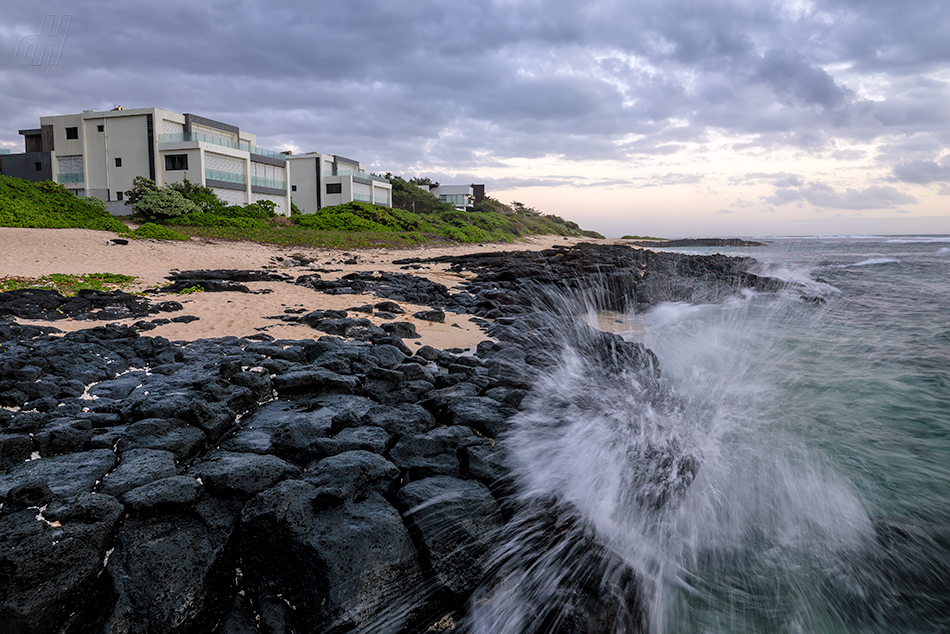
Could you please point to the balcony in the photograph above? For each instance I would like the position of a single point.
(357, 173)
(228, 177)
(259, 181)
(64, 179)
(363, 198)
(219, 140)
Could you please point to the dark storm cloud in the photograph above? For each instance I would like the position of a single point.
(430, 85)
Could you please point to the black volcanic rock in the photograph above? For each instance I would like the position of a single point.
(698, 242)
(339, 567)
(240, 484)
(87, 304)
(457, 521)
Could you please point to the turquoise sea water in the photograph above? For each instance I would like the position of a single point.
(822, 428)
(821, 431)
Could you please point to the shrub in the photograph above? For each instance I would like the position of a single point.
(140, 185)
(163, 204)
(199, 194)
(152, 231)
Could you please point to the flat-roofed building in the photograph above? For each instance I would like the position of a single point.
(99, 153)
(323, 180)
(461, 196)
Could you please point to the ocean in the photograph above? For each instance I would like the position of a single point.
(821, 431)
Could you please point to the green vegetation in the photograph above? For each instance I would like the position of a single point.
(152, 231)
(47, 205)
(191, 289)
(641, 238)
(417, 217)
(190, 204)
(70, 284)
(179, 210)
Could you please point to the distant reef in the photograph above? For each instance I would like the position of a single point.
(699, 242)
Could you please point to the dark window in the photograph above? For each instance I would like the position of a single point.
(118, 195)
(293, 188)
(118, 162)
(101, 128)
(334, 188)
(174, 162)
(38, 166)
(72, 133)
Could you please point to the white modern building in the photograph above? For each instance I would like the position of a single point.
(99, 153)
(323, 180)
(463, 197)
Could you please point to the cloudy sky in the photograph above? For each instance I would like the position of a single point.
(661, 117)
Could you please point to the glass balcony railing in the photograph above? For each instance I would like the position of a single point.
(72, 178)
(363, 198)
(228, 177)
(219, 140)
(361, 174)
(258, 181)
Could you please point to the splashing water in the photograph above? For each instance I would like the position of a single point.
(708, 500)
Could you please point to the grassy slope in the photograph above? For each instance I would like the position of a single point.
(47, 205)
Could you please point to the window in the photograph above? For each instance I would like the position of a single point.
(100, 128)
(293, 188)
(72, 133)
(118, 162)
(38, 166)
(118, 195)
(334, 188)
(175, 162)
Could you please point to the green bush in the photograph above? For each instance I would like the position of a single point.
(199, 194)
(48, 205)
(163, 204)
(152, 231)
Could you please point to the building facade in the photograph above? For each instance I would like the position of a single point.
(323, 180)
(99, 153)
(463, 197)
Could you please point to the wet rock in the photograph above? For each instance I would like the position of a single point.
(315, 379)
(48, 566)
(138, 467)
(170, 434)
(401, 420)
(484, 414)
(339, 568)
(349, 475)
(434, 452)
(241, 476)
(27, 493)
(458, 521)
(171, 574)
(69, 436)
(486, 463)
(174, 494)
(67, 476)
(14, 449)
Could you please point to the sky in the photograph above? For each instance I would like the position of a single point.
(646, 117)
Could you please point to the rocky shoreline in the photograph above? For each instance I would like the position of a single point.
(347, 483)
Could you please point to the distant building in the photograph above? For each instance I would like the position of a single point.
(99, 153)
(323, 180)
(463, 197)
